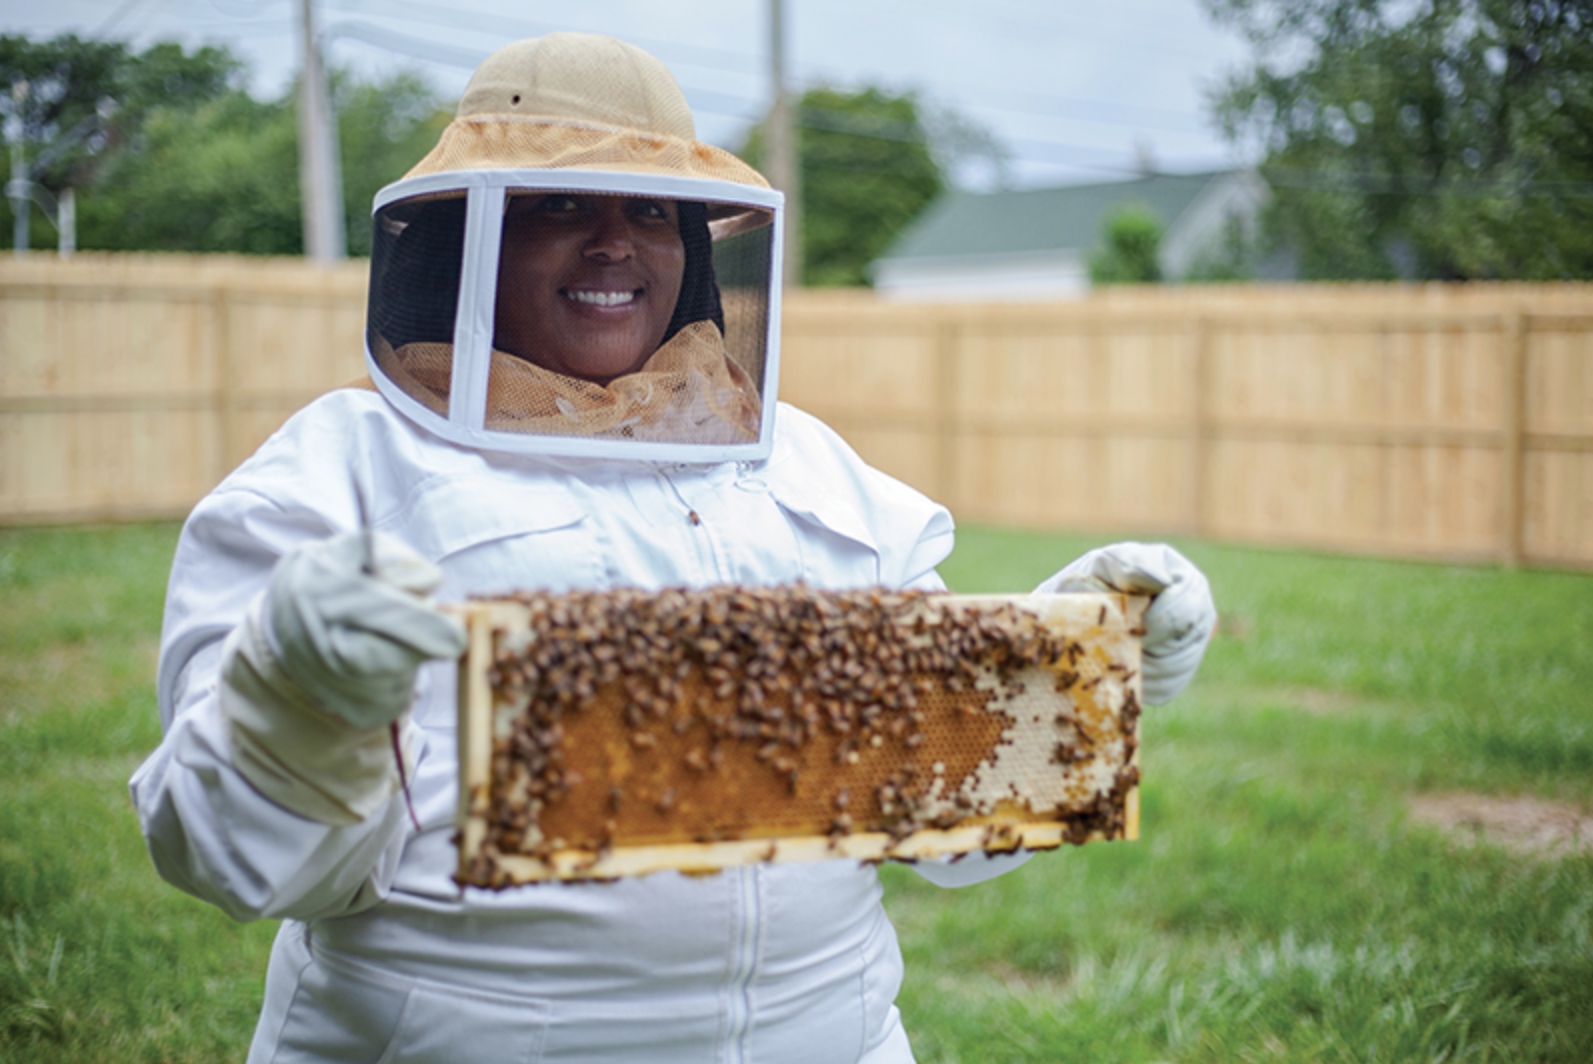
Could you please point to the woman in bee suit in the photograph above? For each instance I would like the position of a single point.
(571, 343)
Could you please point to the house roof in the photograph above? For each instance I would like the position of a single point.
(1039, 219)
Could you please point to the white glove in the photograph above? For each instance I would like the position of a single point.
(353, 642)
(323, 662)
(1180, 621)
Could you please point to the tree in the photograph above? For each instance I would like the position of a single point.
(189, 161)
(384, 127)
(219, 177)
(1133, 238)
(1445, 139)
(77, 103)
(867, 169)
(1230, 258)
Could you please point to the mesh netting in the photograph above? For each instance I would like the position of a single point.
(416, 253)
(614, 315)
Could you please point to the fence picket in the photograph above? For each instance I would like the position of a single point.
(1417, 420)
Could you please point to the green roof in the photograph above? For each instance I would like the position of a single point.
(1039, 219)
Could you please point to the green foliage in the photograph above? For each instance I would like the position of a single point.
(99, 961)
(88, 102)
(188, 161)
(1131, 242)
(1440, 139)
(384, 128)
(69, 80)
(1230, 259)
(221, 176)
(1280, 903)
(867, 169)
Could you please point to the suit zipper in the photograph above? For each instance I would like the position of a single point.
(748, 942)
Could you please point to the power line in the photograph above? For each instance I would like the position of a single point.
(1141, 43)
(513, 27)
(742, 108)
(116, 16)
(415, 47)
(1416, 184)
(740, 63)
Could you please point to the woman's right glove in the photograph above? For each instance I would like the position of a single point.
(324, 661)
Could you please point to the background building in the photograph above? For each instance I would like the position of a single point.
(1036, 243)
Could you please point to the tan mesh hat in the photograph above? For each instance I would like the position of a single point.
(580, 101)
(570, 271)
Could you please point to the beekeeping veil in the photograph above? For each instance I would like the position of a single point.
(570, 271)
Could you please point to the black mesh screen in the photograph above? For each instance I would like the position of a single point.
(416, 255)
(415, 266)
(743, 264)
(612, 320)
(614, 315)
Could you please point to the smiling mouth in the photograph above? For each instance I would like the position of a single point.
(602, 299)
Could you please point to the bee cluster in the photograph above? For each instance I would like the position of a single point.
(629, 717)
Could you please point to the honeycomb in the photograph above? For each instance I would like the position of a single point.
(615, 733)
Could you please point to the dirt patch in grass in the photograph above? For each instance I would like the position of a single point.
(1315, 700)
(73, 674)
(1312, 701)
(1529, 826)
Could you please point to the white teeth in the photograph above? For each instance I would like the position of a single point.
(601, 299)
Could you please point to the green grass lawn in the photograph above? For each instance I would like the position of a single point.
(1281, 903)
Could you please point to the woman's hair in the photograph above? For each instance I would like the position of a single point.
(419, 255)
(699, 288)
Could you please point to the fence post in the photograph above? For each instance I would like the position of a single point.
(948, 343)
(1200, 426)
(226, 400)
(1512, 472)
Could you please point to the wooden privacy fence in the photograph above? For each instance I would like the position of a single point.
(1405, 420)
(1414, 421)
(130, 385)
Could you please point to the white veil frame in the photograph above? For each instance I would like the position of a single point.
(485, 195)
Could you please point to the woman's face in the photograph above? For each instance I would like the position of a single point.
(587, 282)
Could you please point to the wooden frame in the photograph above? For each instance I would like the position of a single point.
(1066, 746)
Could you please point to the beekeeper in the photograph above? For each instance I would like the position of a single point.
(572, 343)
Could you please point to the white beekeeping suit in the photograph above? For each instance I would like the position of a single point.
(572, 344)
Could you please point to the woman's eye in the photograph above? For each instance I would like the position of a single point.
(650, 209)
(558, 204)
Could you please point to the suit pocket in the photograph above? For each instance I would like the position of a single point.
(838, 548)
(448, 1026)
(495, 536)
(342, 1011)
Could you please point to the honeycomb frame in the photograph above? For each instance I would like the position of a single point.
(633, 774)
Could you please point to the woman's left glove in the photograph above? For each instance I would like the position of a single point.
(1180, 621)
(324, 661)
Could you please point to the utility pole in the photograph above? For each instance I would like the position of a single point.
(784, 165)
(320, 173)
(66, 223)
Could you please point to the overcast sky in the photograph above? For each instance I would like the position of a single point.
(1077, 90)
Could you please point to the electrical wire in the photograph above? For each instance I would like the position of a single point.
(1145, 40)
(741, 63)
(104, 28)
(1373, 184)
(455, 17)
(403, 44)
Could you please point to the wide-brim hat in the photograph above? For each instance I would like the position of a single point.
(578, 101)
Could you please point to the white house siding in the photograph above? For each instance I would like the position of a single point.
(1060, 274)
(1203, 226)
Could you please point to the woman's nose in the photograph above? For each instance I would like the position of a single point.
(610, 239)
